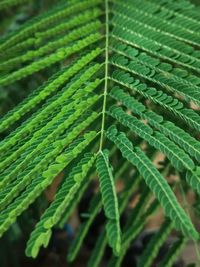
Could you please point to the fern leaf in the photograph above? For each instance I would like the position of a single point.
(31, 124)
(44, 35)
(56, 209)
(45, 90)
(158, 97)
(110, 203)
(179, 136)
(9, 215)
(98, 64)
(45, 20)
(51, 46)
(63, 220)
(180, 75)
(173, 47)
(76, 20)
(41, 162)
(149, 74)
(177, 157)
(34, 147)
(137, 39)
(144, 14)
(156, 183)
(100, 246)
(55, 57)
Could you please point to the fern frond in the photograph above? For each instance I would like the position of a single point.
(84, 68)
(179, 136)
(56, 209)
(46, 90)
(145, 15)
(93, 210)
(100, 246)
(144, 29)
(110, 202)
(177, 157)
(78, 197)
(34, 147)
(186, 11)
(9, 215)
(55, 57)
(130, 37)
(43, 21)
(30, 125)
(182, 76)
(75, 21)
(44, 35)
(152, 177)
(149, 74)
(40, 163)
(51, 46)
(159, 97)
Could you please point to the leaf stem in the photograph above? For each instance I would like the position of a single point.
(106, 74)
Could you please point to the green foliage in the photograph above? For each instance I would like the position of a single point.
(109, 200)
(101, 66)
(178, 135)
(100, 246)
(155, 181)
(172, 253)
(154, 245)
(9, 3)
(56, 209)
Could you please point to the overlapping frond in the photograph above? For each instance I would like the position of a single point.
(168, 128)
(56, 209)
(155, 181)
(133, 64)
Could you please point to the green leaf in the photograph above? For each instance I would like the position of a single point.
(155, 182)
(110, 202)
(68, 71)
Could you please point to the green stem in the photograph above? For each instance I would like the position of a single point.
(106, 74)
